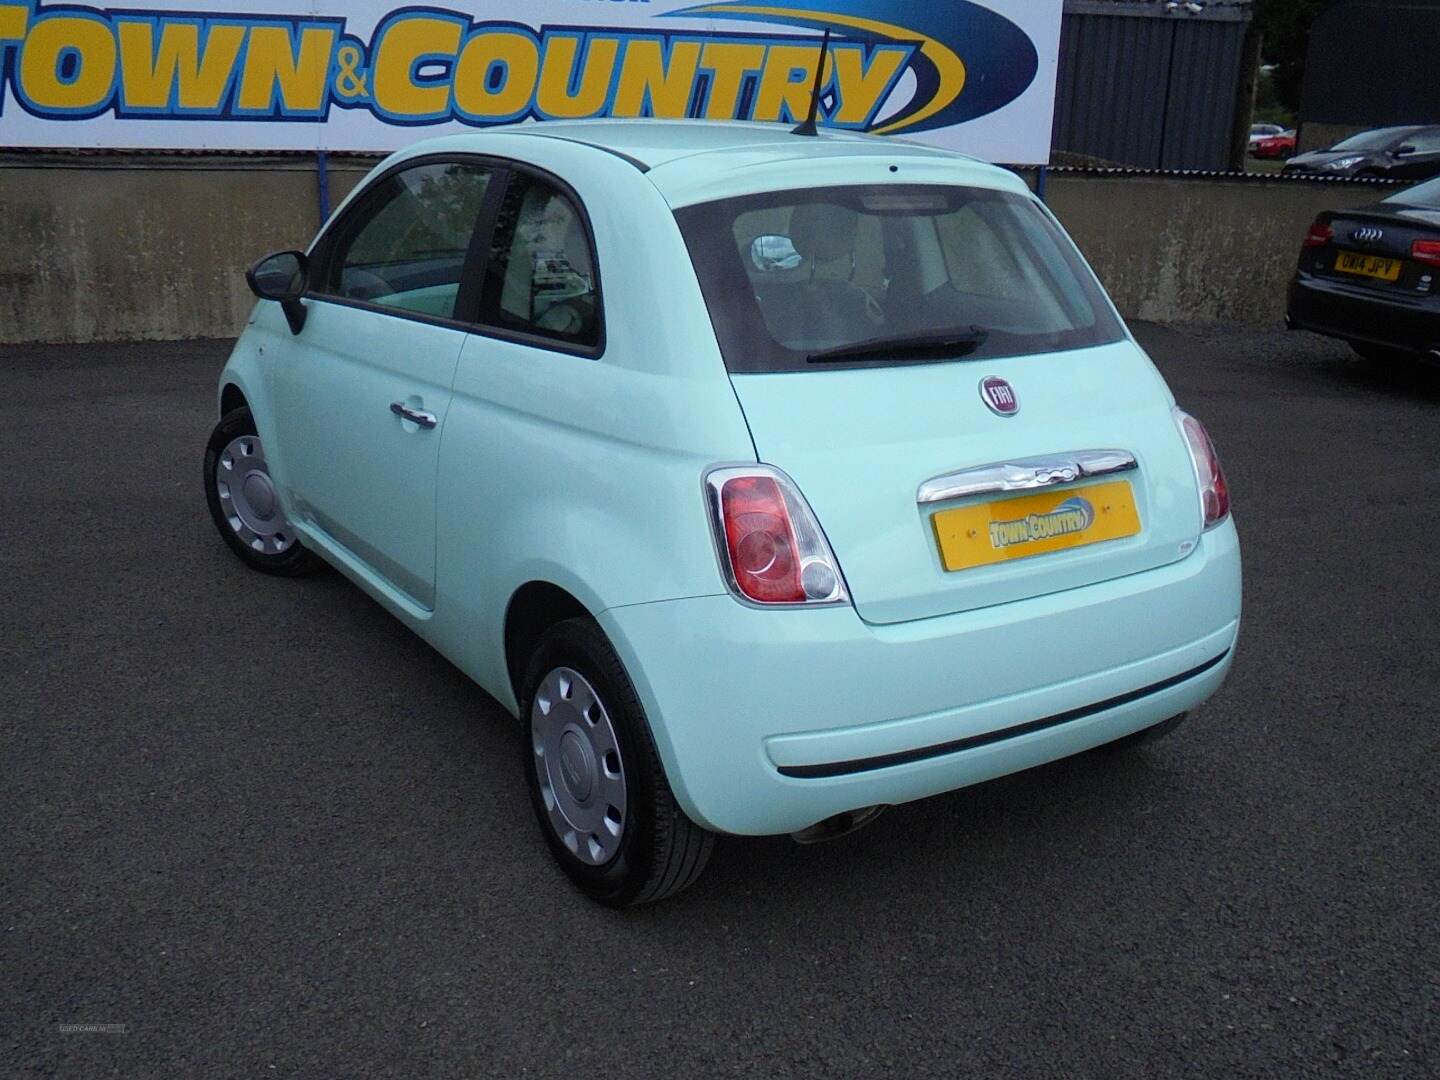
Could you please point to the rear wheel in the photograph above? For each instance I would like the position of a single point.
(1147, 735)
(243, 501)
(596, 782)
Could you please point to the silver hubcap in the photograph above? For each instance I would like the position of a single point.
(248, 499)
(577, 761)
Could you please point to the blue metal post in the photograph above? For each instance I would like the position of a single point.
(1040, 179)
(322, 176)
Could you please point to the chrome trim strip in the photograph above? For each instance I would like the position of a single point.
(1026, 474)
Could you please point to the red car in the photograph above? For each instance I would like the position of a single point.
(1275, 146)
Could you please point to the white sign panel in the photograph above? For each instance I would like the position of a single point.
(320, 75)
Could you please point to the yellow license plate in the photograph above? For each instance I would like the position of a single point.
(1353, 262)
(1018, 528)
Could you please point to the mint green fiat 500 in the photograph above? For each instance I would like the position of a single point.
(769, 480)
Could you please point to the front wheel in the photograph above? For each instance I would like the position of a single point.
(595, 778)
(243, 501)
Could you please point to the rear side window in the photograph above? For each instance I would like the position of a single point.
(791, 275)
(541, 279)
(406, 244)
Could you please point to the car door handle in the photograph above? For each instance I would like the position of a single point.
(415, 416)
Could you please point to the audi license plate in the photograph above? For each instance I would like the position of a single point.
(1372, 266)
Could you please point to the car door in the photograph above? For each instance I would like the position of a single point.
(360, 404)
(1423, 158)
(534, 414)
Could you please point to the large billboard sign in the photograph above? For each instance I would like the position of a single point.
(972, 75)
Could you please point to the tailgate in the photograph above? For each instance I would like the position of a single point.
(1373, 251)
(860, 443)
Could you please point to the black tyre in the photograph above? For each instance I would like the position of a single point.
(596, 782)
(1147, 735)
(243, 502)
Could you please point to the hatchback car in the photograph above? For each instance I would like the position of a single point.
(1371, 276)
(1274, 147)
(769, 480)
(1260, 132)
(1411, 152)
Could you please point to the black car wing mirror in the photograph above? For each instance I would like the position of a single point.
(1401, 151)
(282, 277)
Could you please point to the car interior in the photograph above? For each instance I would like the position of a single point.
(826, 274)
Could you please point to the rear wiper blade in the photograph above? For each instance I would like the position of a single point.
(946, 345)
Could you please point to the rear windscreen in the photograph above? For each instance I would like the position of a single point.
(789, 276)
(1426, 194)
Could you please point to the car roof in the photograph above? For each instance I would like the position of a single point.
(691, 160)
(1393, 130)
(653, 143)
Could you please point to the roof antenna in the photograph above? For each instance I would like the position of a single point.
(808, 127)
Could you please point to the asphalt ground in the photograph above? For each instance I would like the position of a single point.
(271, 833)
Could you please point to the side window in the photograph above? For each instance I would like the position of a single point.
(540, 278)
(993, 253)
(1425, 142)
(977, 258)
(405, 248)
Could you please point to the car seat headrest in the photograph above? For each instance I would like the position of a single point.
(824, 231)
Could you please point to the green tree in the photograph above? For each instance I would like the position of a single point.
(1285, 25)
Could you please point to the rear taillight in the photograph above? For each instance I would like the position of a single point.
(1320, 234)
(770, 545)
(1426, 251)
(1214, 491)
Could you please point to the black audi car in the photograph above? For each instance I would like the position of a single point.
(1371, 276)
(1394, 153)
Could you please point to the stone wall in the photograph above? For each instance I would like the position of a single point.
(103, 248)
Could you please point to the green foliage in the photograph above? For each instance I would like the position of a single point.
(1269, 109)
(1285, 25)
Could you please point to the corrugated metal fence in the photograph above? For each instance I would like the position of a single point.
(1372, 64)
(1144, 85)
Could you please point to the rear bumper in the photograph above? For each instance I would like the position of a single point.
(1336, 309)
(770, 721)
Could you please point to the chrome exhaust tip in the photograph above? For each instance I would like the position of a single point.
(833, 828)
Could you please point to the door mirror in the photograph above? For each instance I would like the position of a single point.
(771, 253)
(1401, 151)
(279, 277)
(283, 277)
